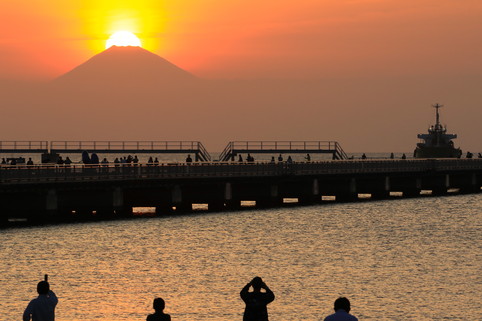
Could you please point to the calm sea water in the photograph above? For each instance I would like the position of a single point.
(414, 259)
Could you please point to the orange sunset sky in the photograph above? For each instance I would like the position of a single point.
(236, 39)
(362, 72)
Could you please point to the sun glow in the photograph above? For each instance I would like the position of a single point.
(123, 39)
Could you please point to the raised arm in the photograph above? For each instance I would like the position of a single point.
(244, 291)
(269, 294)
(53, 298)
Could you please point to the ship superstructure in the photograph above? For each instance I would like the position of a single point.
(437, 143)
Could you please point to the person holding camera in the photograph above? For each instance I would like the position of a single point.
(42, 308)
(256, 301)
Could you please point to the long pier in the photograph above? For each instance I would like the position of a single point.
(49, 193)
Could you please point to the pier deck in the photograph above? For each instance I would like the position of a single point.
(60, 192)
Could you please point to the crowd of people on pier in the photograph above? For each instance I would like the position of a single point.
(127, 160)
(256, 301)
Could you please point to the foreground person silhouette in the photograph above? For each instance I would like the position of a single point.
(342, 309)
(256, 301)
(159, 315)
(43, 307)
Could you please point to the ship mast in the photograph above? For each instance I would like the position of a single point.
(437, 124)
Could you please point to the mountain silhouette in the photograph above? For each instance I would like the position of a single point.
(129, 67)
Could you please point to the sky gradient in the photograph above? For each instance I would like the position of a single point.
(250, 39)
(361, 72)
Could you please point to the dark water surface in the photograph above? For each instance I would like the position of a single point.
(414, 259)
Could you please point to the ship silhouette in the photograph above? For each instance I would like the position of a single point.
(437, 143)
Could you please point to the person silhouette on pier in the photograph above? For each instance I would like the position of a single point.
(256, 301)
(43, 307)
(342, 311)
(159, 315)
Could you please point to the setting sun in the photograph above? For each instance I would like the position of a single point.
(123, 39)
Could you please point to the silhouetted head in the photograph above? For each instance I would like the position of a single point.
(257, 283)
(43, 287)
(342, 303)
(159, 304)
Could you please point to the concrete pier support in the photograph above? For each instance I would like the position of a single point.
(228, 192)
(181, 205)
(439, 191)
(233, 204)
(268, 202)
(105, 213)
(314, 197)
(418, 184)
(118, 205)
(176, 195)
(350, 192)
(411, 193)
(382, 194)
(216, 206)
(352, 188)
(346, 197)
(412, 189)
(51, 202)
(117, 198)
(123, 212)
(387, 184)
(316, 187)
(472, 186)
(443, 189)
(274, 191)
(163, 209)
(309, 199)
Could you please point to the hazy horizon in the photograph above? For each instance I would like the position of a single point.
(364, 73)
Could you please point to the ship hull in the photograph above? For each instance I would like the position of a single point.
(437, 152)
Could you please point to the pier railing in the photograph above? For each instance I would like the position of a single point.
(194, 147)
(24, 146)
(282, 147)
(26, 174)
